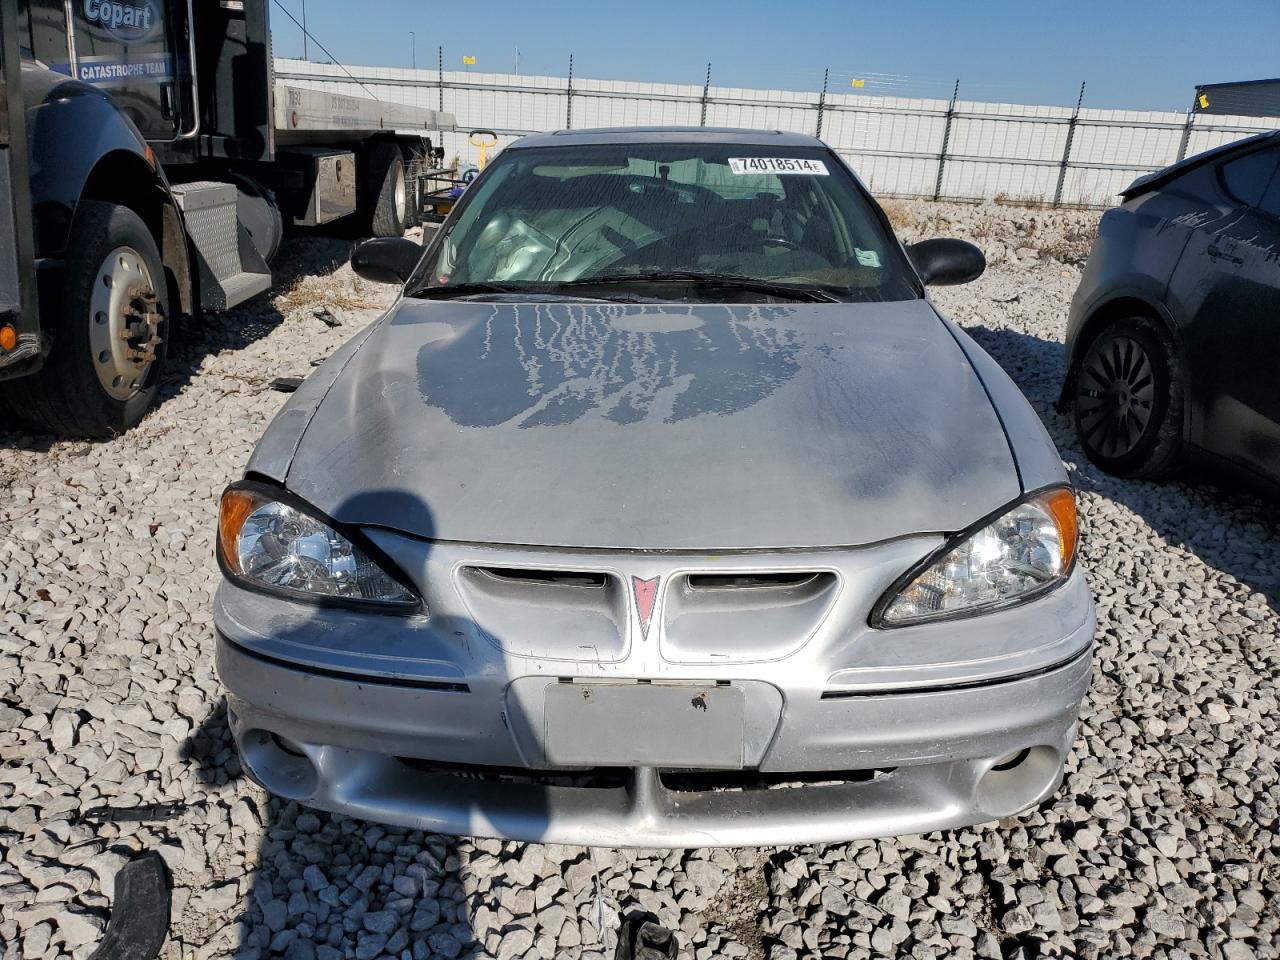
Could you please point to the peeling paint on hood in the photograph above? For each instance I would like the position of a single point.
(657, 426)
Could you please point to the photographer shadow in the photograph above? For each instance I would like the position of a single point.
(322, 885)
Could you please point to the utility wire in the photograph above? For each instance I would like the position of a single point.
(336, 62)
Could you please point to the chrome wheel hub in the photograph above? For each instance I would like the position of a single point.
(124, 323)
(401, 195)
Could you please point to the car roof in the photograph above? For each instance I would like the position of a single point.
(607, 135)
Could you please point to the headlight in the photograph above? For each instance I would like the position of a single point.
(1026, 550)
(270, 542)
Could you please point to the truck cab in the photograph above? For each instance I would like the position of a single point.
(157, 164)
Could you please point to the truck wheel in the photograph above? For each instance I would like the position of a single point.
(108, 334)
(388, 191)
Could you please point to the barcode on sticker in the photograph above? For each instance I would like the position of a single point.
(777, 165)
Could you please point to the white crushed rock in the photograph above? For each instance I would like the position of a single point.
(1162, 841)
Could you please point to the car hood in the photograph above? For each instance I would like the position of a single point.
(657, 426)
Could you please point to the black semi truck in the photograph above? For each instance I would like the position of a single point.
(149, 164)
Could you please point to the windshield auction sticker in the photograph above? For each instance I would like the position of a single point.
(777, 165)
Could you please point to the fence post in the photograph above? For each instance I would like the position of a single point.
(440, 75)
(822, 100)
(706, 92)
(1186, 129)
(946, 140)
(568, 98)
(1066, 151)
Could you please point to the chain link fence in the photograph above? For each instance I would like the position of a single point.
(949, 149)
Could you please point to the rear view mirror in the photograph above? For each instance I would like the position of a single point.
(385, 259)
(942, 262)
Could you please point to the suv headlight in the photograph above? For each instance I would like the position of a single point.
(270, 541)
(1028, 549)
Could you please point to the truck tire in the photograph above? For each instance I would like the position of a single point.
(387, 190)
(109, 334)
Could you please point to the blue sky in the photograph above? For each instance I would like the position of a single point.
(1147, 55)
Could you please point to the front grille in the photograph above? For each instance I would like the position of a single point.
(547, 611)
(561, 578)
(677, 781)
(748, 581)
(598, 778)
(743, 616)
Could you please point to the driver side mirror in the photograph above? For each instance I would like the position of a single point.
(943, 262)
(385, 259)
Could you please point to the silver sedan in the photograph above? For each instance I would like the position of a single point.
(663, 509)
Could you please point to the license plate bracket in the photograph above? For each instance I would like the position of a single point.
(644, 725)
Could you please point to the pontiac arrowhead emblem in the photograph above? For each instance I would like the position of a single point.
(646, 592)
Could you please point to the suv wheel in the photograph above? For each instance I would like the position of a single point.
(1129, 400)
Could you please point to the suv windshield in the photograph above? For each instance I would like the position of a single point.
(686, 220)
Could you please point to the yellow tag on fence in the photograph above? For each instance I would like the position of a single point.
(859, 83)
(1204, 101)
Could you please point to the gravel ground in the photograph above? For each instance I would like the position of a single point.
(1162, 841)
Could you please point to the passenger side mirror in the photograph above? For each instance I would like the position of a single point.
(943, 262)
(386, 259)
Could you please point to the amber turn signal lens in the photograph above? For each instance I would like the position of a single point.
(232, 512)
(8, 337)
(1062, 507)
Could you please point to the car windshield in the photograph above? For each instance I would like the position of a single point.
(686, 221)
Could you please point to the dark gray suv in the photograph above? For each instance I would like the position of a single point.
(1174, 333)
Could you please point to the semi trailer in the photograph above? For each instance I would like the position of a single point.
(149, 165)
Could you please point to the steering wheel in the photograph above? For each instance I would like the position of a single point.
(780, 242)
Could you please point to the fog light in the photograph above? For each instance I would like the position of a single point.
(1011, 760)
(279, 764)
(1019, 780)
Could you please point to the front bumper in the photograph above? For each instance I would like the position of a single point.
(907, 763)
(762, 716)
(362, 765)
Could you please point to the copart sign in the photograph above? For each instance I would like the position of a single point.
(127, 22)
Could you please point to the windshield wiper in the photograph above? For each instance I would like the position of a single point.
(809, 294)
(466, 290)
(537, 292)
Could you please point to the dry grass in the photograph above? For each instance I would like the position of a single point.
(1026, 203)
(1002, 226)
(1070, 247)
(898, 212)
(324, 291)
(982, 230)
